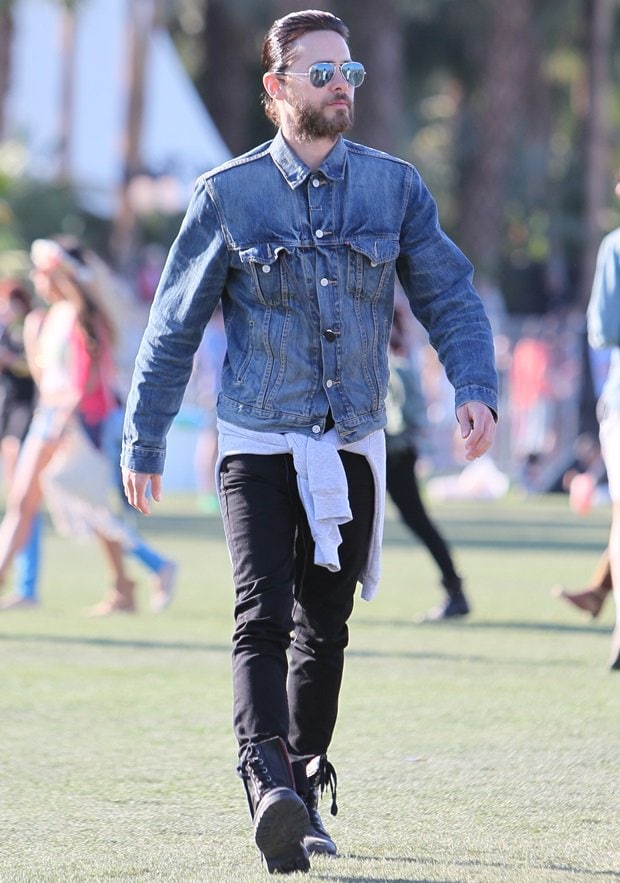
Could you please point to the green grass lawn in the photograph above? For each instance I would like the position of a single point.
(483, 751)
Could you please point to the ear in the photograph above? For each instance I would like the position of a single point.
(273, 86)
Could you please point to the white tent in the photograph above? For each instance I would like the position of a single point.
(179, 139)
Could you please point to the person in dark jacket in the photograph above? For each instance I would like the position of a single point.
(406, 419)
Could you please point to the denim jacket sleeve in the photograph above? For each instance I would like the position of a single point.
(189, 289)
(604, 305)
(437, 279)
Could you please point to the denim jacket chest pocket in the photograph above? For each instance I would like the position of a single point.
(268, 270)
(371, 266)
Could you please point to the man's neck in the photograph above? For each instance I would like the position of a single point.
(312, 153)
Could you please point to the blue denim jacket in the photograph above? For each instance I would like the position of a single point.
(304, 263)
(604, 315)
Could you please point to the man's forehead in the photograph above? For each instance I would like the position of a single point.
(320, 46)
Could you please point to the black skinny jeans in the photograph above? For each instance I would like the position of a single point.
(279, 591)
(402, 486)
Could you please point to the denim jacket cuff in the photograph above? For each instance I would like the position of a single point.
(148, 461)
(473, 393)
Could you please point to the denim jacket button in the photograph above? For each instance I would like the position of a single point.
(324, 282)
(266, 268)
(316, 429)
(329, 383)
(319, 234)
(316, 182)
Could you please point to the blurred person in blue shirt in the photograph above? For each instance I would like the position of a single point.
(604, 333)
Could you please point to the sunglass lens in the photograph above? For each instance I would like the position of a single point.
(321, 73)
(354, 73)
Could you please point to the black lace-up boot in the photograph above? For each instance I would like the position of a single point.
(311, 779)
(279, 814)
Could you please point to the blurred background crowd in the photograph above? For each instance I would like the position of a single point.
(109, 110)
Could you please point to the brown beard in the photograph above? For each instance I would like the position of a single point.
(311, 124)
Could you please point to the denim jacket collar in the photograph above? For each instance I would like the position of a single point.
(295, 171)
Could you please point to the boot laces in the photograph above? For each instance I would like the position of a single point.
(255, 768)
(325, 777)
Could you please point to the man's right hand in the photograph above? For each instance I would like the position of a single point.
(136, 486)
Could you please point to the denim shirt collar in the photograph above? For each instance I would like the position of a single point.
(295, 171)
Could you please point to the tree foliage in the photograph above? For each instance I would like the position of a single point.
(492, 101)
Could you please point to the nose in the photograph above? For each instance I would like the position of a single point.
(339, 78)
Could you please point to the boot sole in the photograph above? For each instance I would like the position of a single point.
(280, 823)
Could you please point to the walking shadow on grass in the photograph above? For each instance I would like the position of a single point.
(580, 873)
(490, 625)
(126, 643)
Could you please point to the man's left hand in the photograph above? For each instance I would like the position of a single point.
(477, 427)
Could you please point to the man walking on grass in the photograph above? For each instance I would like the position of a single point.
(300, 240)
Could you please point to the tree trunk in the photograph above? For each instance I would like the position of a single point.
(6, 39)
(500, 93)
(598, 182)
(123, 243)
(226, 74)
(377, 41)
(67, 80)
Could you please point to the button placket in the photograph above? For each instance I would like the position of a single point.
(319, 203)
(326, 276)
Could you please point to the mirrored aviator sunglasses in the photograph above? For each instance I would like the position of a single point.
(322, 72)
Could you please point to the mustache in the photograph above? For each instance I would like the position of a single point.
(339, 96)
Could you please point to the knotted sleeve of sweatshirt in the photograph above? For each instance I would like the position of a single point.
(323, 488)
(322, 484)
